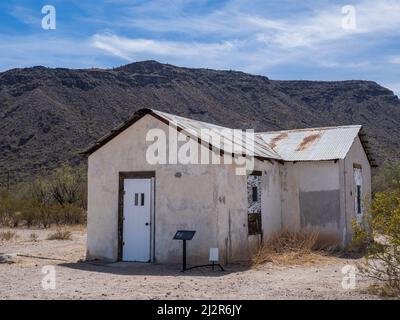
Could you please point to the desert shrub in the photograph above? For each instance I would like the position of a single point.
(7, 235)
(286, 247)
(33, 237)
(381, 241)
(68, 186)
(29, 213)
(10, 209)
(71, 214)
(387, 177)
(59, 198)
(60, 234)
(6, 208)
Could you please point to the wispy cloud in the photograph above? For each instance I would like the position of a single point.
(285, 39)
(249, 36)
(394, 59)
(127, 48)
(26, 15)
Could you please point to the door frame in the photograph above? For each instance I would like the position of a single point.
(136, 175)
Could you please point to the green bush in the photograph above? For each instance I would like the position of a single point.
(387, 177)
(381, 241)
(10, 210)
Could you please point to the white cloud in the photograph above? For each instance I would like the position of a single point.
(248, 37)
(371, 17)
(395, 87)
(27, 16)
(127, 48)
(213, 55)
(230, 36)
(394, 59)
(303, 30)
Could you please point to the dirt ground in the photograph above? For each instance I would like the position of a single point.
(22, 260)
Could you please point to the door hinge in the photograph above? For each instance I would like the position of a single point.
(123, 243)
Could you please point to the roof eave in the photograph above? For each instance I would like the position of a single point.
(116, 131)
(364, 142)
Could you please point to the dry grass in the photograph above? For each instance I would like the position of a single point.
(60, 234)
(77, 228)
(288, 248)
(33, 237)
(380, 289)
(7, 235)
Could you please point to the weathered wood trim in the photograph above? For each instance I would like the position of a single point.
(357, 165)
(255, 173)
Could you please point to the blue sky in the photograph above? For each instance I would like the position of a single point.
(282, 39)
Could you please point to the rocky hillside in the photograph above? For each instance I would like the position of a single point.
(48, 115)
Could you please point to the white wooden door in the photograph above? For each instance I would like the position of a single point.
(137, 220)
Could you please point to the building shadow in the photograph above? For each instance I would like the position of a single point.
(152, 269)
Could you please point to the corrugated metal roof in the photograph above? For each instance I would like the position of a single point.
(327, 143)
(251, 145)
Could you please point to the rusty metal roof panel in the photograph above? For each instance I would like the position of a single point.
(314, 144)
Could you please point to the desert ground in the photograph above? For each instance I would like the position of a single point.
(22, 260)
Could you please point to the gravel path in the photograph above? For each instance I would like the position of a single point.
(75, 279)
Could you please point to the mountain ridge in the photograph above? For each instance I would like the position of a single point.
(47, 115)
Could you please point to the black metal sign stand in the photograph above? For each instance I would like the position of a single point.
(184, 256)
(206, 265)
(184, 235)
(188, 235)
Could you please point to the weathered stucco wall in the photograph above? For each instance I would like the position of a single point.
(311, 198)
(356, 155)
(320, 195)
(184, 202)
(234, 241)
(210, 199)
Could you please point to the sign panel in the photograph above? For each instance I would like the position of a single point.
(184, 235)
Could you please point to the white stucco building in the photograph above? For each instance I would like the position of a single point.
(309, 178)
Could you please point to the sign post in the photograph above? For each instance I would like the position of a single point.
(184, 235)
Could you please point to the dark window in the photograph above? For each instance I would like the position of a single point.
(255, 194)
(359, 199)
(254, 223)
(136, 199)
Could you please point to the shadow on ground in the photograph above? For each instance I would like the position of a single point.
(151, 269)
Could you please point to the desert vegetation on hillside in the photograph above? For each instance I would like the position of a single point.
(58, 199)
